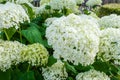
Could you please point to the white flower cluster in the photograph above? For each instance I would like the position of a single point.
(92, 75)
(23, 1)
(42, 9)
(11, 15)
(92, 3)
(50, 20)
(9, 54)
(69, 5)
(35, 54)
(56, 72)
(13, 52)
(112, 20)
(110, 45)
(61, 4)
(79, 1)
(74, 38)
(42, 2)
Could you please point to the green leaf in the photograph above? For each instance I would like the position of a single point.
(114, 69)
(118, 77)
(81, 68)
(47, 7)
(101, 66)
(51, 61)
(28, 76)
(33, 35)
(5, 75)
(70, 78)
(70, 68)
(1, 35)
(16, 74)
(29, 10)
(38, 20)
(38, 75)
(10, 32)
(86, 11)
(46, 44)
(115, 78)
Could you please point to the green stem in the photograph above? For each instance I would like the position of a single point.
(6, 34)
(20, 35)
(28, 68)
(64, 12)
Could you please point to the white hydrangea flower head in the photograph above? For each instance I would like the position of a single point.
(111, 21)
(23, 1)
(61, 4)
(92, 75)
(42, 2)
(35, 54)
(50, 20)
(74, 38)
(43, 10)
(9, 54)
(91, 17)
(79, 1)
(109, 45)
(56, 72)
(92, 3)
(11, 15)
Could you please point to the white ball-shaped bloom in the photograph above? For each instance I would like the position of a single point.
(111, 21)
(74, 38)
(50, 20)
(9, 54)
(67, 6)
(35, 54)
(11, 15)
(79, 1)
(109, 45)
(42, 2)
(92, 75)
(42, 10)
(56, 72)
(92, 3)
(61, 4)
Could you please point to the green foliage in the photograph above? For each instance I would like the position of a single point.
(108, 9)
(1, 35)
(101, 66)
(47, 7)
(5, 75)
(70, 78)
(9, 32)
(18, 75)
(29, 10)
(51, 61)
(38, 75)
(81, 68)
(70, 68)
(28, 76)
(86, 12)
(32, 34)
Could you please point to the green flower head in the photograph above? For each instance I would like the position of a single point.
(35, 54)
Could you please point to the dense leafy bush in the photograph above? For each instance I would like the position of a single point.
(108, 9)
